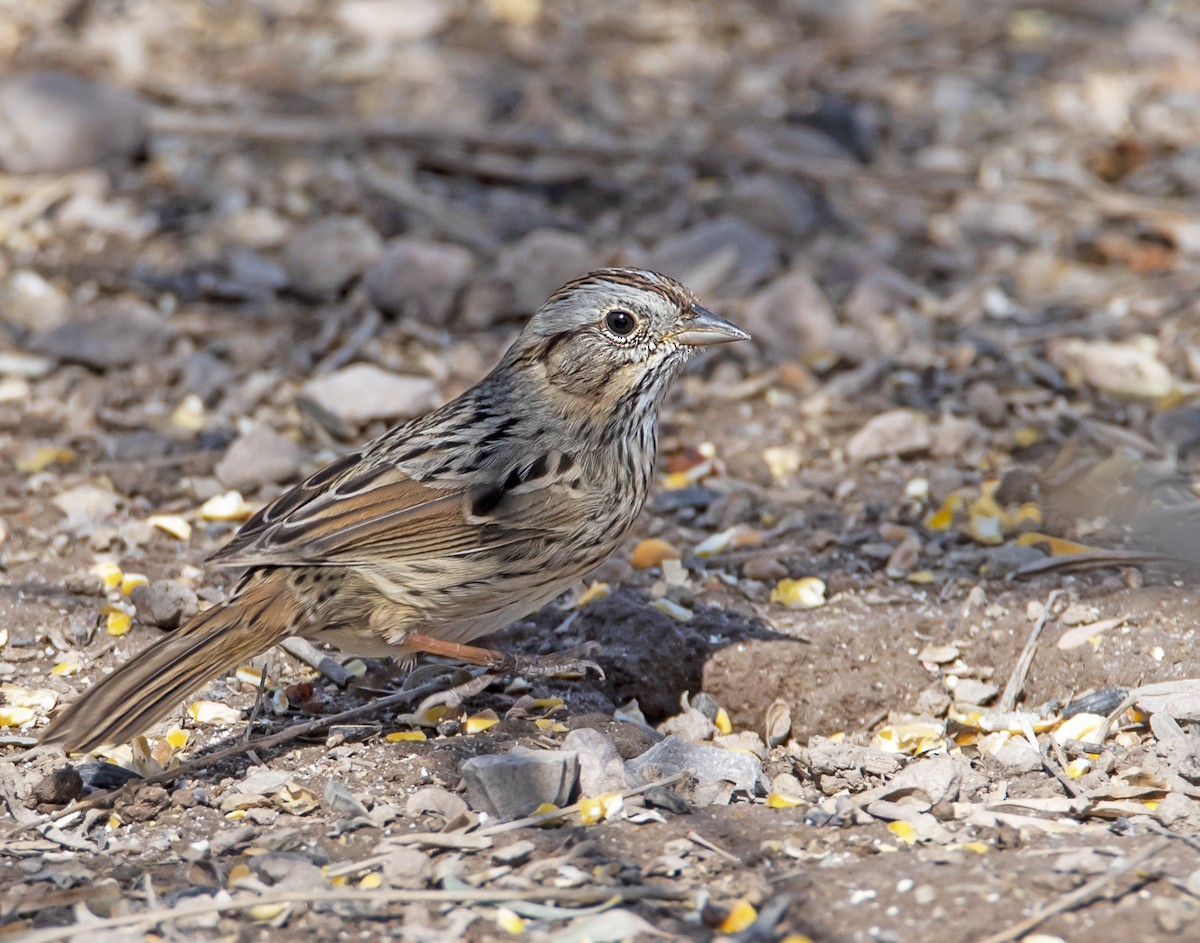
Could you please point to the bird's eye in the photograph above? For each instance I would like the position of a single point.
(620, 322)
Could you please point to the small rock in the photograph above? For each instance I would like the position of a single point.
(766, 568)
(54, 121)
(121, 334)
(30, 303)
(690, 725)
(391, 22)
(436, 801)
(711, 764)
(205, 375)
(985, 401)
(164, 603)
(898, 432)
(1017, 757)
(726, 253)
(541, 262)
(259, 457)
(601, 768)
(419, 279)
(775, 204)
(791, 318)
(60, 787)
(1175, 806)
(407, 868)
(952, 435)
(363, 392)
(86, 504)
(1127, 368)
(510, 785)
(974, 691)
(322, 258)
(936, 778)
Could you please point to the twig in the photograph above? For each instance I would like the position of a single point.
(1012, 690)
(1073, 899)
(306, 652)
(189, 907)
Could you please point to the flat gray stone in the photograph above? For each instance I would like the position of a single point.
(510, 785)
(363, 392)
(103, 344)
(324, 257)
(726, 253)
(54, 121)
(415, 278)
(260, 457)
(711, 764)
(164, 603)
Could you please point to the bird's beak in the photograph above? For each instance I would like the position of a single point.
(704, 328)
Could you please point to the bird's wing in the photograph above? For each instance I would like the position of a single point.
(357, 512)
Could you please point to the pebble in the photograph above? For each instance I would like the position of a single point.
(415, 278)
(601, 768)
(897, 432)
(86, 504)
(364, 392)
(120, 335)
(391, 22)
(766, 568)
(60, 787)
(541, 262)
(986, 403)
(791, 318)
(164, 603)
(690, 725)
(30, 303)
(325, 256)
(775, 204)
(510, 785)
(1017, 757)
(53, 121)
(726, 253)
(517, 852)
(259, 457)
(710, 764)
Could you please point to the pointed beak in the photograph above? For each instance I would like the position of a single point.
(704, 328)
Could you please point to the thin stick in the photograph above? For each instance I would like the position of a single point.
(306, 652)
(1016, 681)
(192, 907)
(1072, 899)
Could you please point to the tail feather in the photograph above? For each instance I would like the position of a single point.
(260, 614)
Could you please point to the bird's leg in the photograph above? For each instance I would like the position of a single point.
(569, 660)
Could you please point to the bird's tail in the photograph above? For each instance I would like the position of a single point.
(261, 613)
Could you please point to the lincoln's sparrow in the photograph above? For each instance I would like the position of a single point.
(452, 525)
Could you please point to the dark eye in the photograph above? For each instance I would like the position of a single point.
(620, 322)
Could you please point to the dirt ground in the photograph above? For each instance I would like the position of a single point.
(907, 550)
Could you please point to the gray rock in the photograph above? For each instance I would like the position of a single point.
(119, 335)
(407, 868)
(165, 603)
(363, 392)
(790, 318)
(54, 121)
(690, 725)
(542, 262)
(711, 764)
(434, 800)
(510, 785)
(1017, 757)
(774, 204)
(260, 457)
(60, 787)
(419, 279)
(205, 375)
(324, 257)
(601, 768)
(86, 504)
(726, 253)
